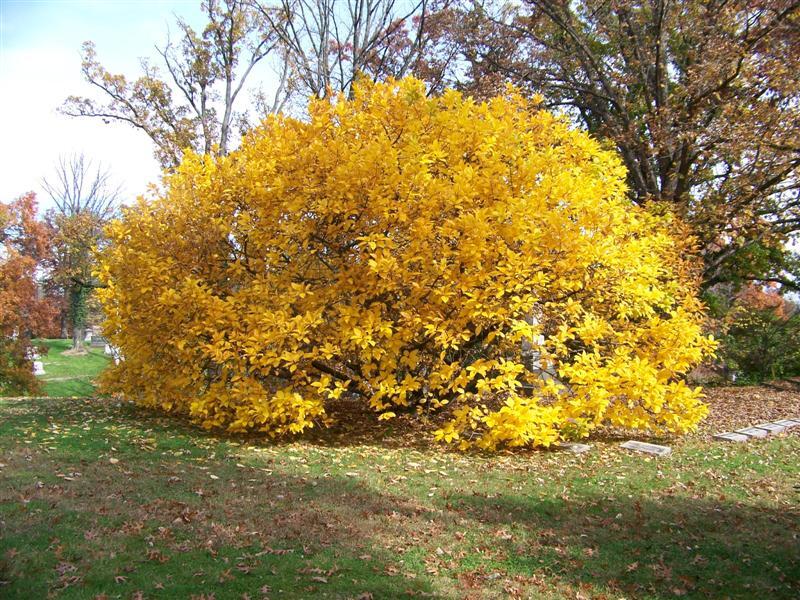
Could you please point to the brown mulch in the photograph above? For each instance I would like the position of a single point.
(732, 408)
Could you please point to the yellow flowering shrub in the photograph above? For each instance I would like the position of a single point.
(477, 261)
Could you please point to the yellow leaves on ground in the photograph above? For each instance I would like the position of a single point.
(423, 254)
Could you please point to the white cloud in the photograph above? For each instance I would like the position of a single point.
(40, 66)
(36, 81)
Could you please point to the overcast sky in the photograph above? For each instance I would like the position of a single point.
(40, 45)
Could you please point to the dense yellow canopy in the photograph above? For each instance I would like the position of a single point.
(407, 249)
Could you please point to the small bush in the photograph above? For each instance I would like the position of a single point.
(423, 254)
(761, 338)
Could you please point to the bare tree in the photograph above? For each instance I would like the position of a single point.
(329, 43)
(193, 105)
(78, 188)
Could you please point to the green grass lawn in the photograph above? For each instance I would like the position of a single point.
(104, 499)
(70, 375)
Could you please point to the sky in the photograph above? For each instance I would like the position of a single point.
(40, 61)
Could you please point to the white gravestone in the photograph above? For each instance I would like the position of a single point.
(753, 432)
(115, 353)
(647, 448)
(574, 447)
(38, 367)
(772, 427)
(731, 437)
(788, 423)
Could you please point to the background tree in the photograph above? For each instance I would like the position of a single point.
(23, 311)
(761, 335)
(328, 43)
(193, 104)
(701, 98)
(85, 201)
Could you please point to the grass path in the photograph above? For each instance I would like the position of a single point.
(104, 499)
(70, 375)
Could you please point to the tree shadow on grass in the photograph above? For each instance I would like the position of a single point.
(287, 527)
(650, 547)
(125, 527)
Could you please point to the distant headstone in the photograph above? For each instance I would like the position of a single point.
(38, 367)
(788, 423)
(731, 437)
(116, 355)
(647, 448)
(98, 341)
(753, 432)
(574, 447)
(772, 427)
(88, 336)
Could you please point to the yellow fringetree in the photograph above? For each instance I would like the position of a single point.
(477, 263)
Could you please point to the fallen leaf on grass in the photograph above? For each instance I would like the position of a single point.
(63, 568)
(277, 552)
(156, 555)
(226, 576)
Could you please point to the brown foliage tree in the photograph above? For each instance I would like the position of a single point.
(193, 105)
(701, 99)
(23, 311)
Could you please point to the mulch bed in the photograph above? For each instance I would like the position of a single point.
(736, 407)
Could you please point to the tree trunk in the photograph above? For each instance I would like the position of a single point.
(77, 311)
(64, 324)
(78, 335)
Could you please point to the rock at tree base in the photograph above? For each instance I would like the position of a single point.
(647, 448)
(731, 437)
(574, 447)
(772, 427)
(755, 432)
(788, 423)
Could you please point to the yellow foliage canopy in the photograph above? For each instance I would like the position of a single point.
(478, 260)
